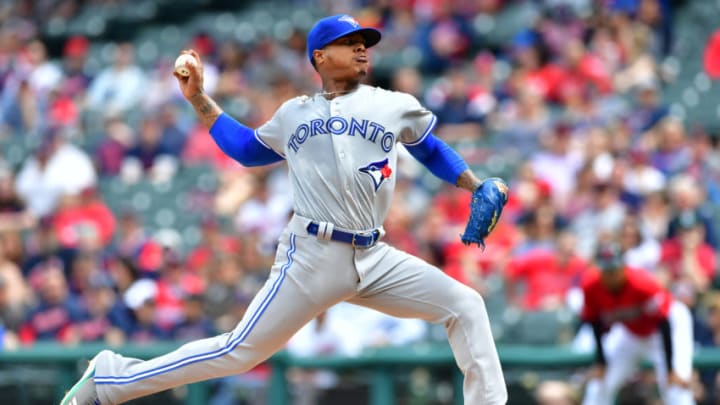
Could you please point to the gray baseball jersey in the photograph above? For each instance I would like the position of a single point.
(341, 155)
(342, 152)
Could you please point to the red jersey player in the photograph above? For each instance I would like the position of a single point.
(647, 324)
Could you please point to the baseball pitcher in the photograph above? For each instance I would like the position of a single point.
(341, 148)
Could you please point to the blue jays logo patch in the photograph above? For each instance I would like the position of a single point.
(346, 18)
(378, 172)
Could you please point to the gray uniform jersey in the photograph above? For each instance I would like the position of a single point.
(315, 135)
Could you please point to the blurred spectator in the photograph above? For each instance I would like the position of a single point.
(547, 274)
(173, 137)
(672, 153)
(85, 268)
(43, 248)
(464, 264)
(44, 75)
(231, 78)
(84, 222)
(582, 72)
(77, 79)
(43, 178)
(635, 37)
(539, 225)
(655, 214)
(174, 285)
(195, 323)
(640, 250)
(460, 106)
(14, 215)
(641, 178)
(584, 193)
(399, 226)
(124, 273)
(15, 296)
(557, 164)
(521, 119)
(656, 16)
(686, 194)
(204, 44)
(10, 319)
(57, 310)
(705, 162)
(113, 147)
(454, 205)
(647, 109)
(597, 149)
(201, 149)
(149, 156)
(445, 38)
(140, 300)
(558, 25)
(131, 236)
(408, 80)
(266, 212)
(117, 88)
(214, 243)
(604, 217)
(686, 258)
(228, 291)
(530, 56)
(103, 318)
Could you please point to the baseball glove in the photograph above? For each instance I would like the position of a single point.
(486, 206)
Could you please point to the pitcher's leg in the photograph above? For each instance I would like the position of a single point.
(408, 287)
(281, 307)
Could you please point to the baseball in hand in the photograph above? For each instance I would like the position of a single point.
(180, 67)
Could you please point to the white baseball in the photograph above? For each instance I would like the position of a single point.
(180, 67)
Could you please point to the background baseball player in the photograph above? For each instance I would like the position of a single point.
(647, 324)
(341, 149)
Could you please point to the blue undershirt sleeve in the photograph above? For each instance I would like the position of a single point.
(439, 158)
(239, 142)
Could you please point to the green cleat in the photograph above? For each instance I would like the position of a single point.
(83, 392)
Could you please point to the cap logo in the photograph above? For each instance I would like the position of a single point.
(346, 18)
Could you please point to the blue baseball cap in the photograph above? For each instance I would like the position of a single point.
(331, 28)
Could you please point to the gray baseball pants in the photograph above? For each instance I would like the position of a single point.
(308, 276)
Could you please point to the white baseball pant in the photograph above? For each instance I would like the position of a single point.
(624, 351)
(310, 275)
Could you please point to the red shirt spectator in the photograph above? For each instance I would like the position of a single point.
(86, 217)
(200, 148)
(213, 242)
(687, 256)
(454, 204)
(672, 257)
(173, 287)
(548, 276)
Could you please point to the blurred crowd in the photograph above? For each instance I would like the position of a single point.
(570, 108)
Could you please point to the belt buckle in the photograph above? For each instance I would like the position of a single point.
(370, 234)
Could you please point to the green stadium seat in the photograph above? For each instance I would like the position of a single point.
(537, 327)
